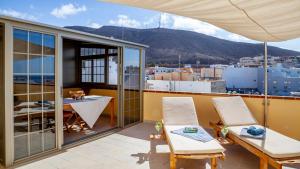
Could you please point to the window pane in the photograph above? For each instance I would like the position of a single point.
(35, 83)
(49, 45)
(35, 43)
(36, 143)
(20, 84)
(89, 78)
(98, 51)
(101, 62)
(102, 51)
(49, 64)
(21, 147)
(35, 64)
(86, 51)
(102, 78)
(112, 51)
(81, 51)
(49, 111)
(98, 70)
(20, 63)
(20, 41)
(49, 138)
(49, 83)
(113, 70)
(21, 115)
(95, 78)
(102, 70)
(90, 51)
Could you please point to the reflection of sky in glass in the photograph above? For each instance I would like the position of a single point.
(35, 65)
(20, 34)
(131, 57)
(132, 67)
(35, 61)
(35, 38)
(49, 41)
(49, 64)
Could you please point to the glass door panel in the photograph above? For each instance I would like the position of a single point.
(131, 85)
(34, 93)
(2, 97)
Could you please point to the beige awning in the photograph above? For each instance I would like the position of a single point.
(262, 20)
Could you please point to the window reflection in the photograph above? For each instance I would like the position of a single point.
(113, 70)
(35, 43)
(49, 44)
(36, 143)
(49, 64)
(34, 110)
(131, 85)
(21, 148)
(20, 63)
(35, 64)
(20, 41)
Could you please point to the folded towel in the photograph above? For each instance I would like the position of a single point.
(200, 135)
(244, 133)
(255, 131)
(190, 130)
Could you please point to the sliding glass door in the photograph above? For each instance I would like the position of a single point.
(131, 85)
(34, 92)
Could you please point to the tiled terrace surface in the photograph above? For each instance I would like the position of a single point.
(131, 148)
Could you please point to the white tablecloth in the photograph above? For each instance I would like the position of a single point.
(90, 108)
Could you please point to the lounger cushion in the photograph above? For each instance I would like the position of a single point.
(179, 111)
(183, 145)
(275, 144)
(233, 111)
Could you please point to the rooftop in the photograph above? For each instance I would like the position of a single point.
(132, 148)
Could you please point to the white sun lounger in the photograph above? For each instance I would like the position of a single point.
(179, 112)
(275, 149)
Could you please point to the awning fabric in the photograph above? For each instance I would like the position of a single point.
(262, 20)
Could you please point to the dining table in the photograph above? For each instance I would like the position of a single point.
(90, 108)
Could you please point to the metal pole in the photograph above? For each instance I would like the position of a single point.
(265, 85)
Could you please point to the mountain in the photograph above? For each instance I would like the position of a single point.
(167, 44)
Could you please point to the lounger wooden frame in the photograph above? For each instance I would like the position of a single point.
(265, 159)
(173, 157)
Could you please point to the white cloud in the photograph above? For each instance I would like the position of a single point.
(124, 20)
(16, 14)
(180, 22)
(151, 22)
(94, 25)
(67, 10)
(238, 38)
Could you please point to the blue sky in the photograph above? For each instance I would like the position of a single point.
(95, 14)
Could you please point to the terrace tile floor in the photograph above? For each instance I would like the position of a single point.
(132, 148)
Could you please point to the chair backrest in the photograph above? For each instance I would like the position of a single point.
(179, 111)
(233, 111)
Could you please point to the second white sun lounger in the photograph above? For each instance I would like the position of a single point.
(179, 112)
(275, 149)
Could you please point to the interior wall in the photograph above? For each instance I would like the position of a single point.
(70, 63)
(283, 114)
(2, 143)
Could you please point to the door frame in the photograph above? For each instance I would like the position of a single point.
(122, 78)
(9, 96)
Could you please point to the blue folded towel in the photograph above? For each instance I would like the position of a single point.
(255, 131)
